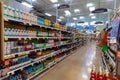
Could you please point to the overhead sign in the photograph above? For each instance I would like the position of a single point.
(64, 6)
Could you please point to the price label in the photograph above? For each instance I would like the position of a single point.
(37, 38)
(6, 19)
(29, 38)
(25, 38)
(19, 38)
(6, 39)
(35, 50)
(21, 69)
(13, 73)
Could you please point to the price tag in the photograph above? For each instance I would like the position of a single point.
(29, 38)
(21, 69)
(6, 19)
(13, 73)
(35, 50)
(38, 62)
(19, 38)
(37, 38)
(6, 39)
(25, 38)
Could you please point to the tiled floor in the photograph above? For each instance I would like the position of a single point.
(75, 67)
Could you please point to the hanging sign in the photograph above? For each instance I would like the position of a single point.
(63, 6)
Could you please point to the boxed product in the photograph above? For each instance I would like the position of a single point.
(40, 21)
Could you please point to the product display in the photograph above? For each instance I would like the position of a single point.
(36, 35)
(32, 44)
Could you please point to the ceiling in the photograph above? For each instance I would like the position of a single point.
(48, 6)
(43, 6)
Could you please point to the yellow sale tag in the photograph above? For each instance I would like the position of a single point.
(6, 39)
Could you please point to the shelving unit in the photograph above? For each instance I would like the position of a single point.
(29, 48)
(110, 60)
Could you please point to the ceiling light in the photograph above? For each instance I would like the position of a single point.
(74, 18)
(91, 14)
(61, 17)
(56, 5)
(89, 4)
(86, 23)
(92, 8)
(33, 0)
(67, 12)
(27, 4)
(48, 14)
(92, 23)
(93, 17)
(76, 10)
(54, 1)
(81, 17)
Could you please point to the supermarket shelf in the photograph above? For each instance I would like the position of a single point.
(23, 37)
(17, 66)
(108, 54)
(3, 77)
(110, 58)
(27, 52)
(48, 67)
(32, 62)
(104, 61)
(20, 21)
(37, 74)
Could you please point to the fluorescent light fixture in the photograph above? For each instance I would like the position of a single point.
(86, 23)
(92, 23)
(56, 5)
(27, 4)
(76, 10)
(92, 8)
(61, 17)
(93, 17)
(67, 12)
(89, 4)
(72, 24)
(82, 17)
(54, 1)
(91, 14)
(74, 18)
(33, 0)
(48, 14)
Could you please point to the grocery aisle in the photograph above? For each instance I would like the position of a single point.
(75, 67)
